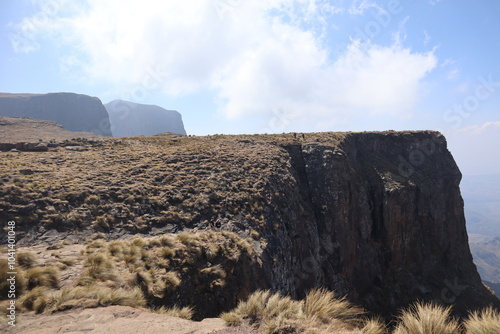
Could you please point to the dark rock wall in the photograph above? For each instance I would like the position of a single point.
(75, 112)
(379, 218)
(132, 119)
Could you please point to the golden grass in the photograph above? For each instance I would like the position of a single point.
(322, 304)
(98, 267)
(486, 321)
(29, 298)
(104, 296)
(184, 312)
(427, 319)
(47, 276)
(5, 285)
(320, 312)
(26, 259)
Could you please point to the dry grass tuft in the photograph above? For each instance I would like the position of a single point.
(42, 276)
(319, 313)
(486, 321)
(427, 319)
(26, 259)
(103, 296)
(184, 313)
(322, 304)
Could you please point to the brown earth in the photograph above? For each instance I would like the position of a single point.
(118, 320)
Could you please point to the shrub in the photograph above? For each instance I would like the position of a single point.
(427, 319)
(484, 322)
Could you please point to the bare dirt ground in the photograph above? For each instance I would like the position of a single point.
(117, 320)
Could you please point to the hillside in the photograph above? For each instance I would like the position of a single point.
(237, 213)
(15, 130)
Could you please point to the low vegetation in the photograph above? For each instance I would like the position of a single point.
(322, 313)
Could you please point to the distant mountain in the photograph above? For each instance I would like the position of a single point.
(481, 195)
(133, 119)
(75, 112)
(487, 259)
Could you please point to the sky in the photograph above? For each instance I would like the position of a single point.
(241, 66)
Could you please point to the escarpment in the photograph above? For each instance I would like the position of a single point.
(75, 112)
(376, 216)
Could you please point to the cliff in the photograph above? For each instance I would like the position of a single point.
(132, 119)
(75, 112)
(377, 216)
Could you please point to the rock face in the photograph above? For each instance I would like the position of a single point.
(378, 217)
(132, 119)
(75, 112)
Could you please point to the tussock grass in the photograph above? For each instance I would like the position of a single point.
(29, 298)
(483, 322)
(5, 285)
(374, 326)
(184, 313)
(103, 296)
(427, 319)
(26, 259)
(98, 267)
(322, 304)
(320, 312)
(47, 276)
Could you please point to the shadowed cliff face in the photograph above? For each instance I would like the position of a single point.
(375, 216)
(378, 217)
(75, 112)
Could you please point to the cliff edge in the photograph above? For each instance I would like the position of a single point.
(376, 216)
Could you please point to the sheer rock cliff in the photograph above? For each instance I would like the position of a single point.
(376, 216)
(75, 112)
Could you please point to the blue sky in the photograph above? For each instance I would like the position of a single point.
(240, 66)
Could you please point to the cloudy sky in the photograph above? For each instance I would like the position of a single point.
(241, 66)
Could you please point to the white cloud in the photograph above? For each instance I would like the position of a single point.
(256, 57)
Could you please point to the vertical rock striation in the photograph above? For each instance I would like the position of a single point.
(378, 217)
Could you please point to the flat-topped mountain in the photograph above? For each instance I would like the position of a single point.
(75, 112)
(133, 119)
